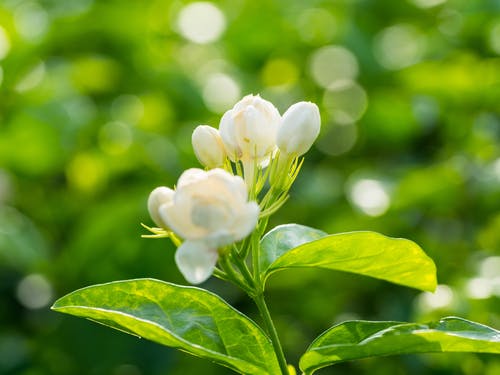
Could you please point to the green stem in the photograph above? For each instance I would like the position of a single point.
(268, 322)
(254, 243)
(232, 276)
(243, 268)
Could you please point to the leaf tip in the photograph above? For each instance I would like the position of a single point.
(55, 306)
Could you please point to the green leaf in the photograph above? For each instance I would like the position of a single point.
(191, 319)
(396, 260)
(362, 339)
(283, 238)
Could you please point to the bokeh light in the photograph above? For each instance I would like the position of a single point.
(490, 267)
(479, 288)
(399, 46)
(115, 137)
(34, 291)
(486, 283)
(451, 22)
(127, 108)
(370, 196)
(80, 109)
(31, 20)
(280, 74)
(494, 37)
(33, 78)
(346, 101)
(87, 172)
(337, 139)
(317, 26)
(220, 92)
(442, 298)
(201, 22)
(428, 3)
(331, 64)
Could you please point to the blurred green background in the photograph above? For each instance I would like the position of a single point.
(97, 103)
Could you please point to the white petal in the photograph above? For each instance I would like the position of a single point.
(158, 197)
(208, 146)
(234, 184)
(227, 133)
(246, 101)
(196, 261)
(299, 129)
(177, 216)
(219, 238)
(246, 221)
(191, 175)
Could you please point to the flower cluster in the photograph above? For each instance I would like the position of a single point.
(214, 208)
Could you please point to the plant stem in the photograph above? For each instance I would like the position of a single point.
(254, 243)
(266, 316)
(243, 268)
(231, 275)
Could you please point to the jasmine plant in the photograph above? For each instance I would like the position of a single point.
(218, 218)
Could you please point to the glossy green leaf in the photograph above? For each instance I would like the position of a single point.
(191, 319)
(283, 238)
(361, 339)
(396, 260)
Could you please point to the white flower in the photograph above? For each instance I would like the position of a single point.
(299, 128)
(208, 146)
(209, 209)
(249, 129)
(159, 196)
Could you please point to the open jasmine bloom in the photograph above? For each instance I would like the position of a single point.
(209, 209)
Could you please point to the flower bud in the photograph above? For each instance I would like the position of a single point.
(299, 128)
(158, 197)
(208, 146)
(249, 129)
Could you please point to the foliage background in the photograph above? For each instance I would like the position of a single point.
(97, 103)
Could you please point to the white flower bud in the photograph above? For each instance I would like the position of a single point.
(299, 128)
(210, 209)
(208, 146)
(158, 197)
(249, 129)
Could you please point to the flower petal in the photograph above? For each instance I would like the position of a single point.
(158, 197)
(247, 220)
(191, 175)
(177, 216)
(208, 146)
(299, 129)
(228, 135)
(234, 184)
(196, 261)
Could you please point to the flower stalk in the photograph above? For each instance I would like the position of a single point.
(271, 330)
